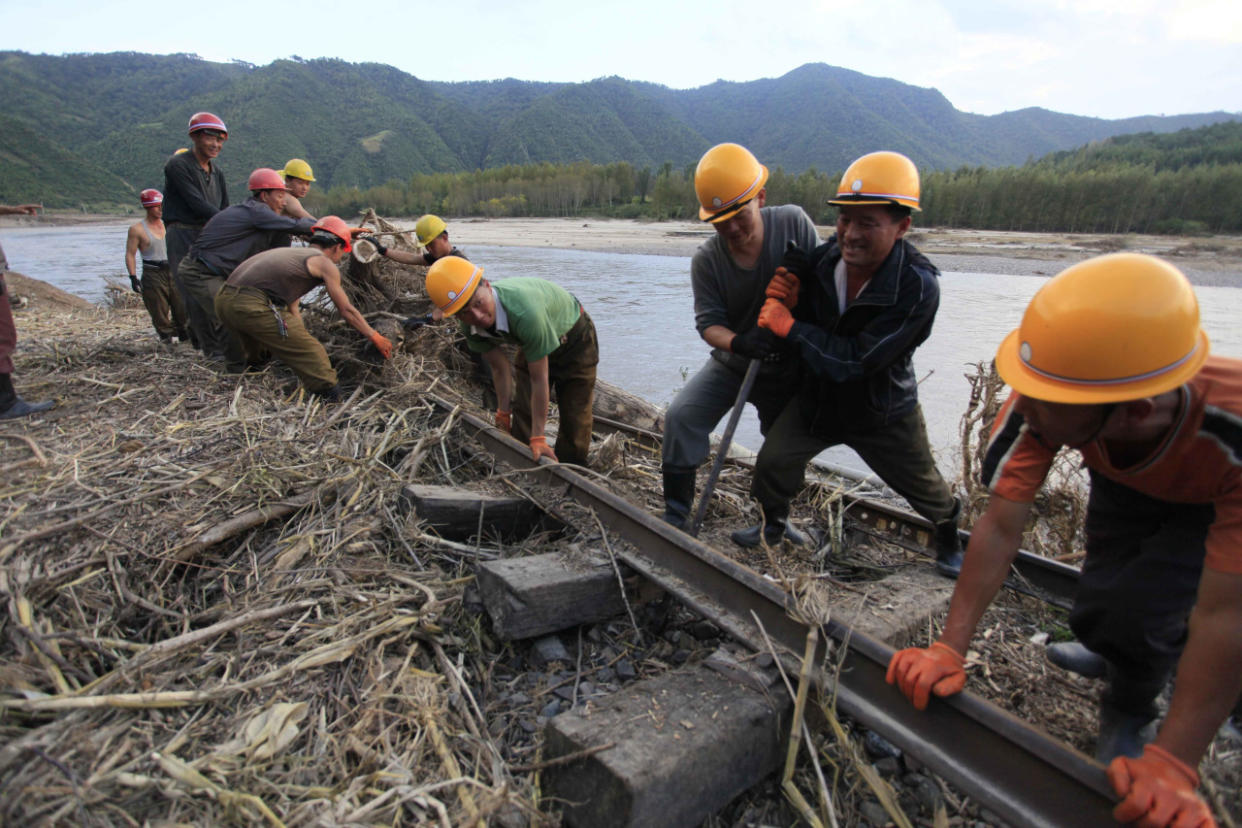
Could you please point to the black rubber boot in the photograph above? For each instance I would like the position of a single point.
(13, 406)
(1122, 733)
(947, 544)
(678, 495)
(1075, 657)
(330, 395)
(770, 532)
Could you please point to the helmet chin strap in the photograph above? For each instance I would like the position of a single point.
(1109, 408)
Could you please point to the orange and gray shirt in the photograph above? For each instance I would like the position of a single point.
(1199, 460)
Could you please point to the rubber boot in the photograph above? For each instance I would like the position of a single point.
(330, 395)
(770, 532)
(12, 406)
(1122, 733)
(947, 544)
(1075, 657)
(678, 495)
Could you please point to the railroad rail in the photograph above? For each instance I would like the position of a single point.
(1018, 772)
(1050, 581)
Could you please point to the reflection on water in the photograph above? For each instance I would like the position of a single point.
(643, 310)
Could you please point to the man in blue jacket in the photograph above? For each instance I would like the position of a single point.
(856, 312)
(233, 235)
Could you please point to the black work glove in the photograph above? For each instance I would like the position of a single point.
(375, 241)
(756, 343)
(135, 283)
(797, 261)
(416, 322)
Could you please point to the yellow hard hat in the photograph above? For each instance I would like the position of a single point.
(879, 178)
(297, 168)
(1109, 329)
(451, 281)
(428, 227)
(727, 178)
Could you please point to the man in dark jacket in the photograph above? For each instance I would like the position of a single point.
(856, 313)
(194, 191)
(232, 236)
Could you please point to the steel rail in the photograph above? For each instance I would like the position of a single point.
(1050, 581)
(1015, 770)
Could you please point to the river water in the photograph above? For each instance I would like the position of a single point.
(643, 311)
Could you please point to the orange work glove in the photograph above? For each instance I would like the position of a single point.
(539, 448)
(355, 232)
(381, 344)
(1158, 789)
(504, 421)
(939, 669)
(784, 286)
(776, 318)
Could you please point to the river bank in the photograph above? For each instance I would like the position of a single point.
(1206, 260)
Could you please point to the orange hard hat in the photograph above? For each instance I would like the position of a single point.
(265, 178)
(205, 120)
(336, 226)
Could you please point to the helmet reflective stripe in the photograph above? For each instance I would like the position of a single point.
(1024, 353)
(745, 196)
(848, 196)
(467, 290)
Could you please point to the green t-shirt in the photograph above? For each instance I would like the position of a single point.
(531, 313)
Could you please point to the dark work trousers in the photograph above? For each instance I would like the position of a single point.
(163, 301)
(262, 328)
(1138, 585)
(702, 403)
(201, 285)
(571, 373)
(898, 453)
(180, 238)
(8, 329)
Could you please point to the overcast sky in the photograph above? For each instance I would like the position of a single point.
(1108, 58)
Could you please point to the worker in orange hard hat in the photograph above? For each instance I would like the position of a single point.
(728, 275)
(194, 191)
(259, 304)
(1110, 360)
(855, 309)
(232, 236)
(161, 298)
(557, 348)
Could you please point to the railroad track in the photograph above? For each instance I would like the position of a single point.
(1018, 772)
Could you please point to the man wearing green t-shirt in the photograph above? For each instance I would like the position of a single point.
(557, 348)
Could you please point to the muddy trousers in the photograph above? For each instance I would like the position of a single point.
(180, 238)
(1138, 585)
(898, 453)
(263, 328)
(201, 285)
(571, 375)
(163, 302)
(703, 402)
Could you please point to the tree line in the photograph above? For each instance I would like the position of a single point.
(1127, 185)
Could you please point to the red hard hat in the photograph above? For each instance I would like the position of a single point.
(150, 198)
(265, 178)
(337, 227)
(205, 120)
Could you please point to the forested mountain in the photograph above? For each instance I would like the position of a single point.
(95, 129)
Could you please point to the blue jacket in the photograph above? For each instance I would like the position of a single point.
(236, 233)
(857, 371)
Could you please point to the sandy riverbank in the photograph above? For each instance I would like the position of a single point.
(1206, 260)
(1214, 260)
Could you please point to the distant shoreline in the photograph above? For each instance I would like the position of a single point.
(1209, 260)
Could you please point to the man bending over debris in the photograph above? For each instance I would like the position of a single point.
(1110, 360)
(259, 303)
(11, 405)
(231, 236)
(557, 348)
